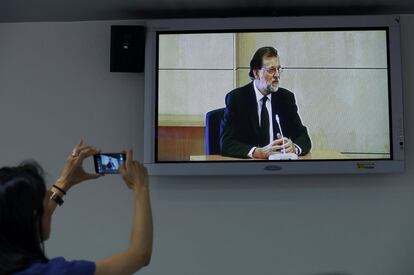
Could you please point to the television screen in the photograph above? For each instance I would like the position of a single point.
(274, 93)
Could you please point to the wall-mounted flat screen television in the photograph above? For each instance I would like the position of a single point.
(294, 95)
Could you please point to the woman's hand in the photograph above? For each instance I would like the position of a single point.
(73, 172)
(134, 173)
(139, 251)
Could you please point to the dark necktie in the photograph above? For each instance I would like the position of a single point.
(264, 123)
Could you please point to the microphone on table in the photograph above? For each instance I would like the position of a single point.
(283, 155)
(281, 133)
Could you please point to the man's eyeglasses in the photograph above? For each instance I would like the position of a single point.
(272, 70)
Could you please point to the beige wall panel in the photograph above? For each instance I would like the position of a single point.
(242, 76)
(341, 108)
(193, 92)
(318, 49)
(197, 51)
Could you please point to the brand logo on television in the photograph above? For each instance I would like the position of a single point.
(366, 165)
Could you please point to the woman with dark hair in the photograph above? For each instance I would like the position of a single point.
(26, 208)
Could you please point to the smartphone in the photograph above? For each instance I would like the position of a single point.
(108, 163)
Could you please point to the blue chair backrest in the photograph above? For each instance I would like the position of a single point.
(212, 131)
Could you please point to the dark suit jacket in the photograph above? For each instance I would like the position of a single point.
(239, 130)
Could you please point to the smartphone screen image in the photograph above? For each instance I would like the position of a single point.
(108, 163)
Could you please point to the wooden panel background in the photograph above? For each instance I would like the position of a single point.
(179, 143)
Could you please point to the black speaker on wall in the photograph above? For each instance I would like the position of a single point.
(127, 48)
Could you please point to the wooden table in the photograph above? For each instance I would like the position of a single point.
(314, 155)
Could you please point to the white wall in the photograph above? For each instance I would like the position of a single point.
(55, 87)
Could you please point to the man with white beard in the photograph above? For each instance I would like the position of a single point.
(262, 118)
